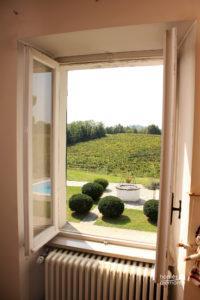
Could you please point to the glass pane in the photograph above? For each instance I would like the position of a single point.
(41, 146)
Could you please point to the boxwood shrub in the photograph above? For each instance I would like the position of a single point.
(103, 182)
(93, 189)
(111, 206)
(150, 210)
(80, 203)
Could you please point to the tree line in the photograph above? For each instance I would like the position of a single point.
(82, 131)
(151, 129)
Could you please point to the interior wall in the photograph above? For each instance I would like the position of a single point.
(9, 250)
(19, 19)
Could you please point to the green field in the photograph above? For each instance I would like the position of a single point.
(117, 156)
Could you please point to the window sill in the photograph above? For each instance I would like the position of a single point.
(65, 241)
(132, 238)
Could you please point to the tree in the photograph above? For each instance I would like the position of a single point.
(81, 131)
(119, 129)
(109, 130)
(153, 129)
(135, 130)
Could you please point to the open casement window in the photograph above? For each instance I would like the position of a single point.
(167, 153)
(45, 142)
(41, 149)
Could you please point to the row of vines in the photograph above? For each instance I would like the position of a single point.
(125, 153)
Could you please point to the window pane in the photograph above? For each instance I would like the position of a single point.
(114, 118)
(41, 146)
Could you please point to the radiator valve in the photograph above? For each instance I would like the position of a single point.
(40, 259)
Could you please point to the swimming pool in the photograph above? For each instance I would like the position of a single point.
(42, 187)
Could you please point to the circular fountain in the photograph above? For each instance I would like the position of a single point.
(128, 192)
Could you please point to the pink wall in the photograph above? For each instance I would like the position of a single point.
(45, 17)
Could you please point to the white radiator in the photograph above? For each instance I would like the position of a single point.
(73, 275)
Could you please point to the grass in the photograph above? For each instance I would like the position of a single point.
(71, 190)
(131, 219)
(81, 175)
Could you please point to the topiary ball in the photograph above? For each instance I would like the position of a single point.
(150, 210)
(103, 182)
(80, 203)
(93, 189)
(111, 206)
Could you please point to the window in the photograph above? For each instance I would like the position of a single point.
(109, 135)
(41, 148)
(44, 142)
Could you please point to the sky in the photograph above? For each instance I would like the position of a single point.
(125, 95)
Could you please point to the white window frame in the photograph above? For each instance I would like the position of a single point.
(60, 96)
(32, 243)
(167, 180)
(103, 61)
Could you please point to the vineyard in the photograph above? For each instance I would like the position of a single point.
(124, 154)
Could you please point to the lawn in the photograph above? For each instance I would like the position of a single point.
(131, 219)
(81, 175)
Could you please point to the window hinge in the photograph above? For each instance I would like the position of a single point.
(175, 208)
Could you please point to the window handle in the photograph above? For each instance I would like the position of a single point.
(173, 209)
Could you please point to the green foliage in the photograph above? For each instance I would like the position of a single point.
(102, 182)
(153, 129)
(93, 189)
(73, 216)
(150, 210)
(115, 129)
(118, 154)
(111, 206)
(81, 131)
(80, 203)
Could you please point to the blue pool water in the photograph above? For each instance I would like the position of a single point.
(43, 187)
